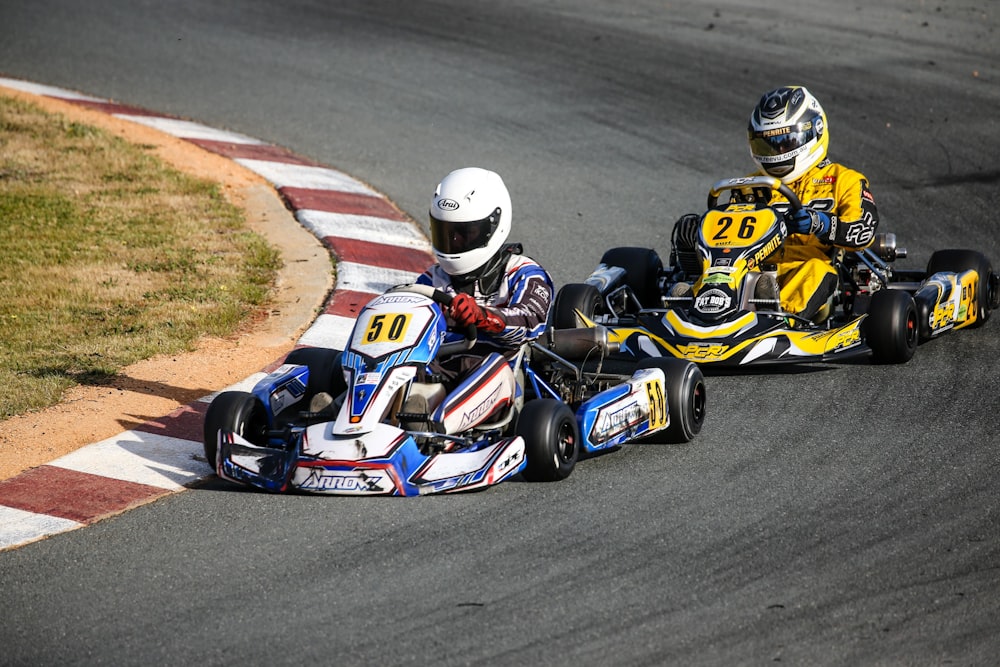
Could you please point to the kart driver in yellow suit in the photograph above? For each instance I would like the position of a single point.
(789, 139)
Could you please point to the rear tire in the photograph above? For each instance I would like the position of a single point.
(891, 329)
(643, 267)
(573, 297)
(959, 261)
(551, 440)
(686, 398)
(236, 411)
(325, 371)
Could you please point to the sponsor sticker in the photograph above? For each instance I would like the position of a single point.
(618, 417)
(368, 378)
(712, 301)
(697, 351)
(474, 415)
(347, 481)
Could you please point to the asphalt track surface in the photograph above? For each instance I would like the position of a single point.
(839, 515)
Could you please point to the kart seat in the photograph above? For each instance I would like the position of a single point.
(427, 395)
(482, 394)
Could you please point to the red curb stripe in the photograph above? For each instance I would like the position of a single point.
(348, 303)
(379, 254)
(264, 152)
(185, 423)
(271, 367)
(332, 201)
(77, 496)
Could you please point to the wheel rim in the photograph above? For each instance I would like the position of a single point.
(565, 443)
(911, 332)
(698, 403)
(254, 427)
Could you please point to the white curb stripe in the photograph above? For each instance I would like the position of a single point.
(48, 91)
(363, 228)
(19, 527)
(184, 129)
(374, 279)
(282, 174)
(143, 458)
(332, 331)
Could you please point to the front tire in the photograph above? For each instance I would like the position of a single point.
(891, 329)
(238, 412)
(551, 440)
(571, 298)
(325, 372)
(686, 398)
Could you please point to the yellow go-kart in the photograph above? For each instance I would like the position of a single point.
(717, 303)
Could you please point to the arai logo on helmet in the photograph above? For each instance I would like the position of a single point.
(447, 204)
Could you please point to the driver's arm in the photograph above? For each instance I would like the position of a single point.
(848, 202)
(527, 307)
(856, 214)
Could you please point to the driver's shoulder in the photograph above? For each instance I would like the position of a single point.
(523, 265)
(833, 174)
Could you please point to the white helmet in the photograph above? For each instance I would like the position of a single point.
(470, 220)
(787, 133)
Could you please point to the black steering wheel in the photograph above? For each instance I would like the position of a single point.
(444, 299)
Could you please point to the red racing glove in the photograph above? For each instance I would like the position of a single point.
(465, 311)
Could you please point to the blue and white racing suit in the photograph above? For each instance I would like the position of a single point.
(522, 298)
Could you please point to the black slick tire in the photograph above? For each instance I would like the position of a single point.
(686, 398)
(236, 411)
(325, 373)
(643, 267)
(891, 329)
(571, 298)
(551, 439)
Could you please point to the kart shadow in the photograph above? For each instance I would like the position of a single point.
(126, 384)
(783, 369)
(215, 483)
(797, 369)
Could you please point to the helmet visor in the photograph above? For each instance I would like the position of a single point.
(783, 142)
(453, 238)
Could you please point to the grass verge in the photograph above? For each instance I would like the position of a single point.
(108, 257)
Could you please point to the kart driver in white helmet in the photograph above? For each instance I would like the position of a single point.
(505, 294)
(789, 138)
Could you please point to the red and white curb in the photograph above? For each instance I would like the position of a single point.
(165, 455)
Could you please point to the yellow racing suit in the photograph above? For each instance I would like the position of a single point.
(806, 274)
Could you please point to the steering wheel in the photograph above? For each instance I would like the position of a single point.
(442, 298)
(755, 183)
